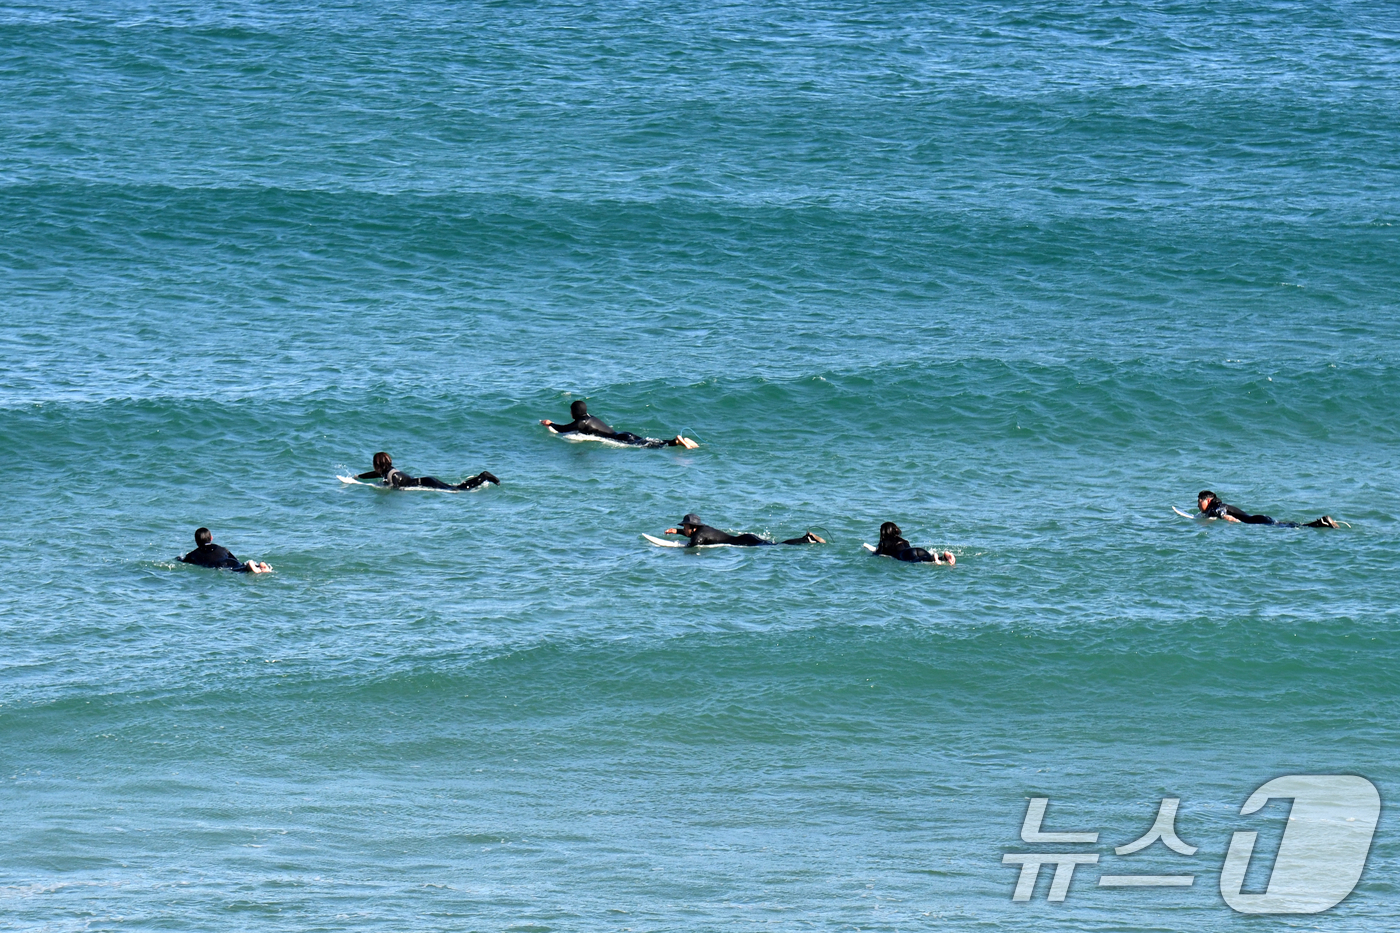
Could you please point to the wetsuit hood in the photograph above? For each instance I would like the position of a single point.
(579, 409)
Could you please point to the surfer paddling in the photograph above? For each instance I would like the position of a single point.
(384, 470)
(701, 534)
(892, 544)
(592, 426)
(215, 557)
(1211, 506)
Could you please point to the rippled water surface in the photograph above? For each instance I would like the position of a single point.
(1018, 277)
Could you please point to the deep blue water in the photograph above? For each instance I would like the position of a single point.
(1018, 277)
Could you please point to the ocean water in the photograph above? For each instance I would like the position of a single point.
(1020, 277)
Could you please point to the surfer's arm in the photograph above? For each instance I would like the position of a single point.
(372, 474)
(229, 562)
(569, 428)
(692, 540)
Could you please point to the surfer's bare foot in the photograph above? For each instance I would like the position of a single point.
(1326, 521)
(813, 539)
(686, 442)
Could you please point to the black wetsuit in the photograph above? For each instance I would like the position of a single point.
(215, 557)
(1218, 509)
(704, 534)
(398, 479)
(596, 427)
(900, 549)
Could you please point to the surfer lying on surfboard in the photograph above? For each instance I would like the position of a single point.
(215, 557)
(584, 423)
(701, 534)
(892, 544)
(398, 479)
(1212, 507)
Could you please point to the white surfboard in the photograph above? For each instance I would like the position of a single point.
(937, 563)
(576, 438)
(589, 438)
(1186, 514)
(663, 542)
(353, 481)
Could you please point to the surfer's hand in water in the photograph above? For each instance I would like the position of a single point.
(813, 539)
(546, 422)
(671, 531)
(686, 442)
(255, 566)
(949, 559)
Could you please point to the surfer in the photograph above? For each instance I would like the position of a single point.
(584, 423)
(892, 544)
(208, 554)
(1212, 507)
(700, 534)
(384, 470)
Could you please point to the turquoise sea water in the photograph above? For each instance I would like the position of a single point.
(1019, 277)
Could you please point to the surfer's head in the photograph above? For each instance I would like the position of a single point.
(889, 530)
(579, 409)
(1205, 498)
(203, 536)
(383, 462)
(687, 525)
